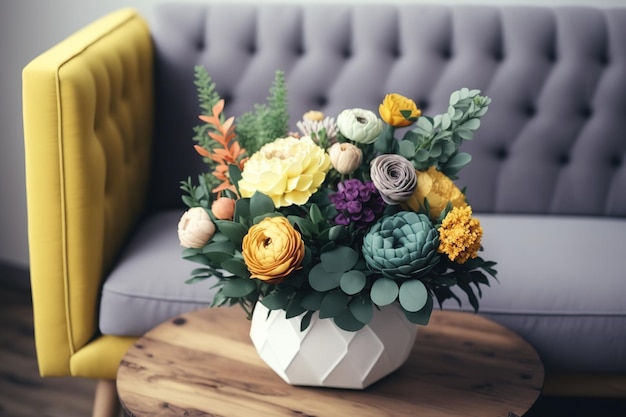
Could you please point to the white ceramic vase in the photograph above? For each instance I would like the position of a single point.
(327, 356)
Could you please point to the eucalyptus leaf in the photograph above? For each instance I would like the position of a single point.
(424, 124)
(406, 148)
(313, 300)
(322, 280)
(471, 124)
(422, 316)
(234, 231)
(384, 291)
(260, 205)
(189, 202)
(196, 279)
(236, 267)
(454, 98)
(306, 320)
(459, 160)
(413, 295)
(340, 259)
(199, 258)
(234, 173)
(333, 304)
(242, 209)
(362, 308)
(237, 287)
(294, 308)
(315, 214)
(346, 321)
(352, 282)
(464, 134)
(276, 300)
(218, 257)
(337, 232)
(445, 121)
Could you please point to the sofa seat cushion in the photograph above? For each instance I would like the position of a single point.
(562, 286)
(148, 285)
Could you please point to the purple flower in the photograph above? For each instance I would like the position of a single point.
(358, 203)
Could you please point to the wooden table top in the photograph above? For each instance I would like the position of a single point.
(203, 363)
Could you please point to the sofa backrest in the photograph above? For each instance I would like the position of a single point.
(553, 141)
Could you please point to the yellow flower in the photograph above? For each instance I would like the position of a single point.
(314, 115)
(460, 235)
(438, 189)
(288, 170)
(272, 249)
(394, 105)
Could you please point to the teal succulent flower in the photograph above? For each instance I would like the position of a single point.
(401, 246)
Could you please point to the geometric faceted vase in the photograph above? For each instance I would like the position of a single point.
(324, 355)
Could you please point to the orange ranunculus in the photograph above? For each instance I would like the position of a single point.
(435, 186)
(398, 111)
(272, 249)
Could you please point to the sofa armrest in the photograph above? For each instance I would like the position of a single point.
(88, 115)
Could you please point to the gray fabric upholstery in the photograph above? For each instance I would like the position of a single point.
(148, 285)
(548, 176)
(561, 286)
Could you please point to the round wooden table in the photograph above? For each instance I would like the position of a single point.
(203, 363)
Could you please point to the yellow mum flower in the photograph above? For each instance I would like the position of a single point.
(392, 108)
(272, 249)
(438, 189)
(288, 170)
(460, 235)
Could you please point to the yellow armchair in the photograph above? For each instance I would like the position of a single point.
(88, 120)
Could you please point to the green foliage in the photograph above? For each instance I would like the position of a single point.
(334, 279)
(207, 98)
(266, 122)
(435, 141)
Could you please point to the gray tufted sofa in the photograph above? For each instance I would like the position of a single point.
(548, 177)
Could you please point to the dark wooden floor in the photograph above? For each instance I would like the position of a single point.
(23, 393)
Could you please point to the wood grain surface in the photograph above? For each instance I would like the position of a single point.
(204, 364)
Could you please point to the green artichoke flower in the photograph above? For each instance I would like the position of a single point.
(402, 246)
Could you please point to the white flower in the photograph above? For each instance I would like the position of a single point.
(195, 228)
(359, 125)
(312, 126)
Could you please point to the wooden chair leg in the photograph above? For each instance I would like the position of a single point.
(106, 402)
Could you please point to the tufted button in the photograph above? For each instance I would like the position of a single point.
(616, 161)
(552, 56)
(346, 53)
(299, 50)
(200, 44)
(422, 104)
(564, 159)
(446, 53)
(501, 153)
(395, 53)
(604, 60)
(530, 110)
(586, 112)
(321, 101)
(252, 49)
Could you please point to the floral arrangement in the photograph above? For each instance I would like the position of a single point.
(340, 218)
